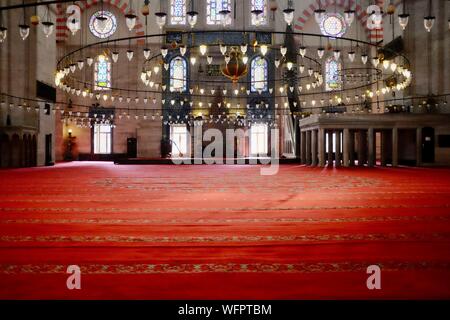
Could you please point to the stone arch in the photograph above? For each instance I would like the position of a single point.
(123, 5)
(361, 15)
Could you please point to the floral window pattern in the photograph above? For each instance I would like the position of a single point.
(178, 75)
(178, 11)
(333, 79)
(105, 30)
(102, 73)
(213, 8)
(259, 74)
(333, 25)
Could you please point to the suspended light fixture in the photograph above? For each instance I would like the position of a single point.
(244, 48)
(263, 49)
(193, 60)
(245, 59)
(429, 20)
(183, 50)
(257, 16)
(130, 54)
(319, 14)
(209, 59)
(24, 31)
(161, 19)
(301, 69)
(47, 28)
(320, 52)
(288, 15)
(223, 49)
(203, 49)
(80, 64)
(337, 54)
(225, 17)
(302, 51)
(364, 58)
(192, 17)
(351, 56)
(403, 18)
(130, 20)
(147, 53)
(289, 65)
(164, 51)
(386, 64)
(277, 63)
(283, 50)
(3, 33)
(349, 16)
(89, 61)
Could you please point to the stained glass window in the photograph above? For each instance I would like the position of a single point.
(104, 29)
(333, 25)
(333, 79)
(102, 73)
(259, 5)
(178, 74)
(178, 11)
(213, 8)
(259, 74)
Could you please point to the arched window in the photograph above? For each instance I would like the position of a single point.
(333, 79)
(102, 73)
(213, 8)
(178, 74)
(178, 11)
(259, 74)
(259, 5)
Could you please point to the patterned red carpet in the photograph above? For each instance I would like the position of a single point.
(212, 232)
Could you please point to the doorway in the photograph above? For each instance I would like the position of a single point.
(179, 140)
(48, 150)
(428, 141)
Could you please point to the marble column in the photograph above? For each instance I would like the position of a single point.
(303, 147)
(395, 147)
(314, 148)
(418, 147)
(383, 148)
(338, 148)
(346, 148)
(361, 147)
(321, 147)
(371, 151)
(351, 149)
(330, 148)
(308, 147)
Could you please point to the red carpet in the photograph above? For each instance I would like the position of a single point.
(223, 232)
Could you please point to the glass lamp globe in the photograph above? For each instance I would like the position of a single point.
(225, 17)
(47, 28)
(101, 22)
(349, 16)
(3, 34)
(319, 14)
(320, 52)
(161, 19)
(130, 54)
(351, 56)
(24, 31)
(263, 49)
(428, 22)
(130, 20)
(288, 15)
(147, 53)
(192, 17)
(203, 49)
(257, 17)
(403, 20)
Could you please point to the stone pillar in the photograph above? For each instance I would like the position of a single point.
(330, 148)
(361, 147)
(371, 151)
(383, 148)
(418, 147)
(351, 149)
(321, 147)
(303, 147)
(337, 143)
(346, 148)
(308, 147)
(314, 148)
(395, 147)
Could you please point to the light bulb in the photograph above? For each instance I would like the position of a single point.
(289, 65)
